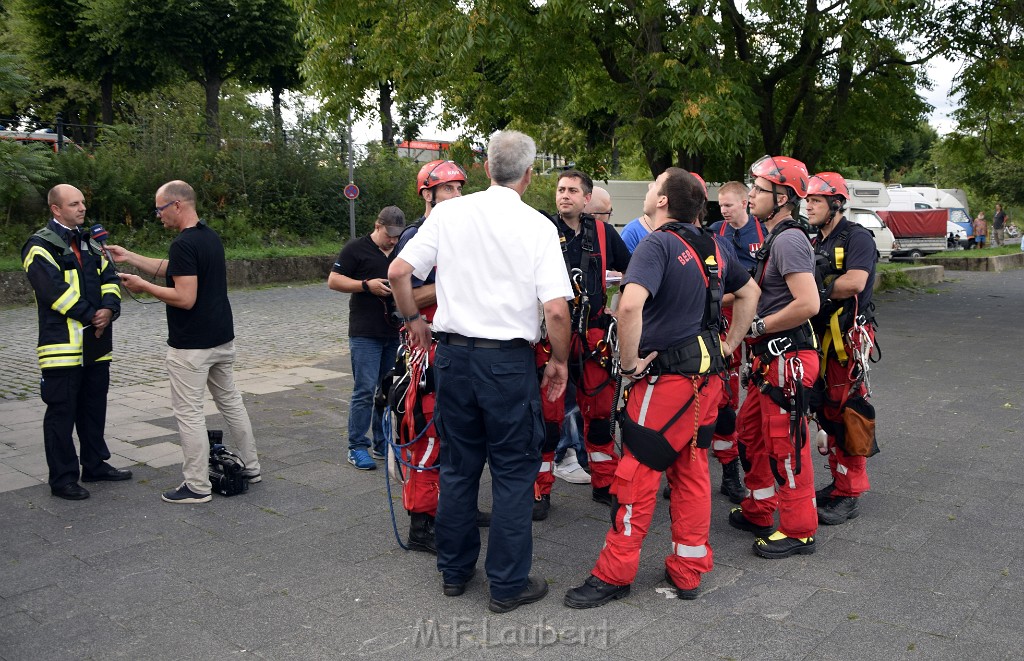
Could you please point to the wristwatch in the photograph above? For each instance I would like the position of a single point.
(757, 327)
(412, 318)
(366, 287)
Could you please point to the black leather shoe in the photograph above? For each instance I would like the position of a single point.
(107, 474)
(421, 533)
(73, 491)
(593, 593)
(838, 509)
(602, 495)
(740, 522)
(483, 519)
(541, 507)
(689, 595)
(782, 546)
(534, 591)
(456, 589)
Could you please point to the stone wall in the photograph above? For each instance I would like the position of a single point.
(15, 290)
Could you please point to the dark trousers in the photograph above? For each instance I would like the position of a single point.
(487, 408)
(76, 398)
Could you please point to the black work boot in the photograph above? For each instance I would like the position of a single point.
(541, 507)
(732, 484)
(421, 532)
(594, 592)
(824, 494)
(838, 509)
(602, 495)
(740, 522)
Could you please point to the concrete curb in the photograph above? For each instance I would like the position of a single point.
(918, 275)
(995, 263)
(15, 290)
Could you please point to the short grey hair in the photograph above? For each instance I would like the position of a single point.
(509, 155)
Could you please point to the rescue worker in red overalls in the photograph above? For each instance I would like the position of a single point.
(773, 418)
(437, 181)
(745, 235)
(671, 350)
(846, 259)
(589, 247)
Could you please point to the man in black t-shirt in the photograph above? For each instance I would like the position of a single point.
(361, 271)
(201, 332)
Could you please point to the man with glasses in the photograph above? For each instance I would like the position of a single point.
(77, 299)
(361, 271)
(772, 422)
(201, 333)
(590, 248)
(744, 234)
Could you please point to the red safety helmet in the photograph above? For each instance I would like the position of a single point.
(828, 184)
(784, 171)
(439, 172)
(702, 184)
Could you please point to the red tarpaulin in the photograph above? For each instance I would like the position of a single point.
(925, 222)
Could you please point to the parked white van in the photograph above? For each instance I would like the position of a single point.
(904, 199)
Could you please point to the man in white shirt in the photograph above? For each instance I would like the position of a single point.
(496, 258)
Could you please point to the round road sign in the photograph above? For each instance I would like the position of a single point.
(351, 191)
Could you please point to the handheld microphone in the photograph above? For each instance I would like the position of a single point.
(100, 236)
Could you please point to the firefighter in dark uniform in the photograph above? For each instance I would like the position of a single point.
(77, 296)
(845, 261)
(590, 248)
(672, 352)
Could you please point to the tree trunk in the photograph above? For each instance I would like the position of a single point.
(212, 86)
(107, 99)
(276, 104)
(387, 123)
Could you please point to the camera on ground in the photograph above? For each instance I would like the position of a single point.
(226, 467)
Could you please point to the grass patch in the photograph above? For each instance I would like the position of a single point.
(976, 254)
(891, 279)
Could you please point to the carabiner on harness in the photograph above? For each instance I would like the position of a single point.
(779, 346)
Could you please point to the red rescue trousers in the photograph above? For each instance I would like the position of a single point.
(849, 473)
(764, 428)
(636, 486)
(594, 394)
(419, 494)
(725, 447)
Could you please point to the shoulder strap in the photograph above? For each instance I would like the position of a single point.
(764, 252)
(705, 248)
(602, 244)
(54, 239)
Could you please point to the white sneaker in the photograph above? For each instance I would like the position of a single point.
(569, 469)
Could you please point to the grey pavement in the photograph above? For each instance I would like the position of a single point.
(305, 565)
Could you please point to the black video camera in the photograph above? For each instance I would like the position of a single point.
(225, 467)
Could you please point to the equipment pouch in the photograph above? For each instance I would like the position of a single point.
(859, 420)
(780, 445)
(649, 446)
(725, 424)
(705, 435)
(623, 482)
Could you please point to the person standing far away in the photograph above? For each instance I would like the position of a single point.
(499, 258)
(999, 226)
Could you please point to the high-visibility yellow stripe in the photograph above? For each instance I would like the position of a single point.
(111, 288)
(61, 361)
(36, 251)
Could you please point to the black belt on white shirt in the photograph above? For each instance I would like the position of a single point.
(456, 340)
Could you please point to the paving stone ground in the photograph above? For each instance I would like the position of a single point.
(305, 565)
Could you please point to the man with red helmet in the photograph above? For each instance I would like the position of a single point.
(845, 261)
(589, 247)
(436, 182)
(672, 352)
(772, 421)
